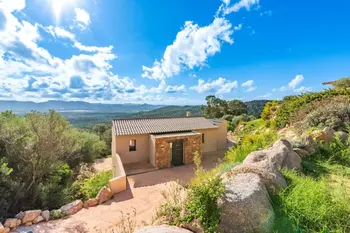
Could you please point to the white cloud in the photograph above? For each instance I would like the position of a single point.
(191, 48)
(82, 18)
(267, 13)
(264, 97)
(226, 8)
(219, 86)
(293, 85)
(249, 85)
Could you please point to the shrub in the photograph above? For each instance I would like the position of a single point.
(90, 187)
(332, 112)
(202, 204)
(237, 119)
(291, 104)
(309, 205)
(269, 111)
(249, 144)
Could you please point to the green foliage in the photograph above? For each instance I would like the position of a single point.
(249, 144)
(40, 150)
(202, 203)
(291, 104)
(333, 112)
(343, 83)
(251, 127)
(309, 205)
(90, 187)
(255, 107)
(237, 119)
(217, 108)
(269, 111)
(56, 214)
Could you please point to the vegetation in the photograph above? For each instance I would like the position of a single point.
(255, 107)
(236, 120)
(39, 154)
(89, 187)
(343, 83)
(292, 104)
(217, 108)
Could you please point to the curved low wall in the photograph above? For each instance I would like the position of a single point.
(118, 182)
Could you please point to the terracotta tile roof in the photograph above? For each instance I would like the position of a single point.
(161, 125)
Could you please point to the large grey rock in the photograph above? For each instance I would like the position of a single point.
(162, 229)
(72, 208)
(46, 215)
(30, 215)
(20, 215)
(246, 205)
(268, 163)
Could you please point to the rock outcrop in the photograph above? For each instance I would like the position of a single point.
(12, 222)
(162, 229)
(245, 205)
(91, 202)
(326, 135)
(72, 207)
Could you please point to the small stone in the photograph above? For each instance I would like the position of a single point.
(104, 195)
(20, 215)
(72, 208)
(12, 222)
(46, 215)
(30, 215)
(38, 219)
(90, 203)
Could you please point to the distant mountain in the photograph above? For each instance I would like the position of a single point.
(255, 107)
(170, 111)
(65, 106)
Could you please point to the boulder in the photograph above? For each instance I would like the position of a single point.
(12, 222)
(343, 137)
(46, 215)
(246, 205)
(280, 155)
(90, 203)
(20, 215)
(28, 224)
(162, 229)
(72, 207)
(104, 195)
(30, 215)
(4, 229)
(38, 219)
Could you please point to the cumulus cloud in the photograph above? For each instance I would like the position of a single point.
(82, 18)
(191, 48)
(249, 85)
(293, 85)
(219, 86)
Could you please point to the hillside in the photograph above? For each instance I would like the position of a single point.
(255, 107)
(70, 106)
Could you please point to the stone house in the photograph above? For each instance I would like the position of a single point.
(167, 142)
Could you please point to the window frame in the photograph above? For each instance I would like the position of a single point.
(132, 145)
(203, 139)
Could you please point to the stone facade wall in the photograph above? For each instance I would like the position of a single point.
(163, 152)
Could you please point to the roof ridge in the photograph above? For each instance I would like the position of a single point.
(151, 118)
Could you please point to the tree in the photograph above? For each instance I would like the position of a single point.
(236, 108)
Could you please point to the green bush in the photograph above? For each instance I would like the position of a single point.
(202, 204)
(309, 205)
(333, 112)
(249, 144)
(90, 187)
(291, 104)
(237, 119)
(269, 110)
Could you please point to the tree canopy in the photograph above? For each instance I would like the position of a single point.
(217, 108)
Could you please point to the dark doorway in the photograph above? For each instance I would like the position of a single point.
(177, 152)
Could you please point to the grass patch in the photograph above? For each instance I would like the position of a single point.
(90, 187)
(312, 205)
(249, 144)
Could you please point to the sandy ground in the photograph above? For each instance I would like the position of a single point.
(104, 164)
(144, 195)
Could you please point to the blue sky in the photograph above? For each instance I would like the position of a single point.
(170, 52)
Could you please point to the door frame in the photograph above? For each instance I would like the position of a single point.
(183, 151)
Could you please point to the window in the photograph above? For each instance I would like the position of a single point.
(132, 145)
(202, 137)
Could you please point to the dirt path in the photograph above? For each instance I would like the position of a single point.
(144, 195)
